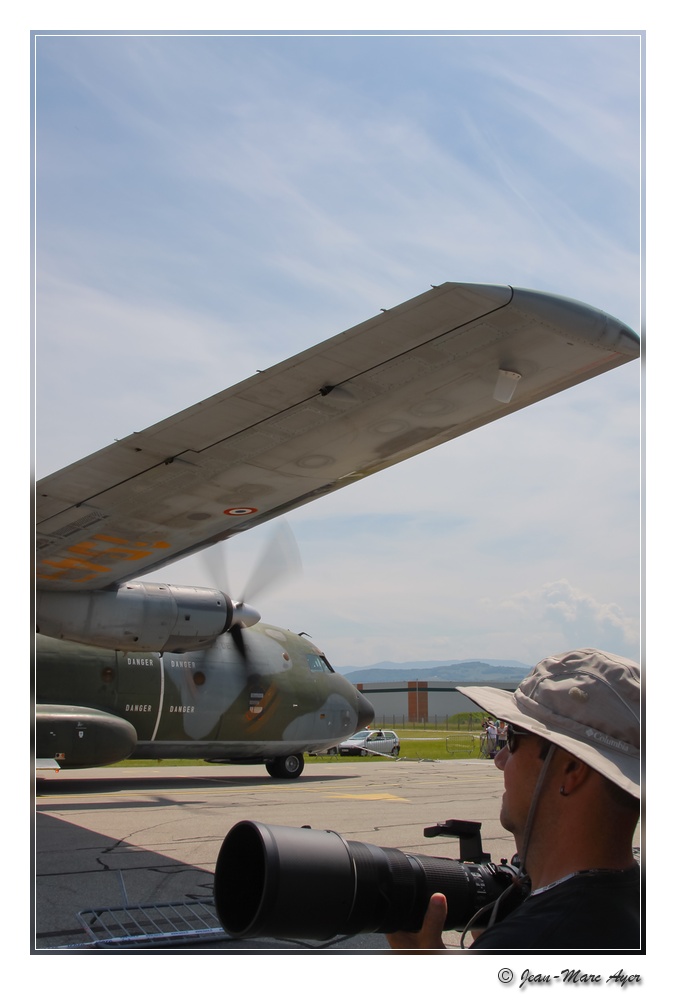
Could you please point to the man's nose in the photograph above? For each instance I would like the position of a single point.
(500, 758)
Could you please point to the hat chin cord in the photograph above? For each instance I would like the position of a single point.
(521, 875)
(528, 829)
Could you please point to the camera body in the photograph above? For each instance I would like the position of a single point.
(278, 881)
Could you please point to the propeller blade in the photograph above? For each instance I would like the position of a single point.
(238, 639)
(214, 562)
(280, 559)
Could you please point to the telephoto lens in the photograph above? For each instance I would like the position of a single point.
(284, 882)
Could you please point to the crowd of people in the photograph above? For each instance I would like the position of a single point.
(495, 735)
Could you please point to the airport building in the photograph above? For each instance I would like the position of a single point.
(432, 702)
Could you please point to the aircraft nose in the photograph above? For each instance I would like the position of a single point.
(365, 711)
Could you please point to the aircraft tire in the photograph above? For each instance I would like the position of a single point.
(286, 767)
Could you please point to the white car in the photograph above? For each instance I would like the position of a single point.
(371, 741)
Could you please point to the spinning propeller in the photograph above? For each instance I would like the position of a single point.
(278, 560)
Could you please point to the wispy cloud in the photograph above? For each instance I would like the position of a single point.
(208, 206)
(572, 617)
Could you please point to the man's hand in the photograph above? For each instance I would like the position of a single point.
(429, 936)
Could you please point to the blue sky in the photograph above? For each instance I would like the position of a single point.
(209, 205)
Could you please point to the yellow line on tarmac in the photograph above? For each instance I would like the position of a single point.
(375, 796)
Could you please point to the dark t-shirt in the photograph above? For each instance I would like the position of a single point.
(597, 910)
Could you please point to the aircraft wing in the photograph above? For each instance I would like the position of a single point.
(405, 381)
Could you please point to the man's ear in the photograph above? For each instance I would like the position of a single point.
(575, 774)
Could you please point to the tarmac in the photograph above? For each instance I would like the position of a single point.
(125, 856)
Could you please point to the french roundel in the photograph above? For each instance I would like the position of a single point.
(240, 511)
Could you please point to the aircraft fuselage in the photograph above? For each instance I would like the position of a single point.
(96, 706)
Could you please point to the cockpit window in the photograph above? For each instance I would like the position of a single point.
(319, 664)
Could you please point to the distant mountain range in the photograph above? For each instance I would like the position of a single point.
(442, 670)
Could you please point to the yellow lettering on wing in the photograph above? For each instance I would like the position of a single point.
(96, 555)
(124, 549)
(67, 567)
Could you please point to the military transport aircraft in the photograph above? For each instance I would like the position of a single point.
(127, 669)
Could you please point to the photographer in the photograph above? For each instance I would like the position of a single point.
(571, 772)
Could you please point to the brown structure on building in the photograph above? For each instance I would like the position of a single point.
(421, 701)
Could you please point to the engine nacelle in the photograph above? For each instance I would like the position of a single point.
(82, 737)
(150, 617)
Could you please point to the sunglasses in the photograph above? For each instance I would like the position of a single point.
(513, 734)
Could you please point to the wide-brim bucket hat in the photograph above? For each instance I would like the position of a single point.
(586, 701)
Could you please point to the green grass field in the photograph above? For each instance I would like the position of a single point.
(416, 744)
(431, 744)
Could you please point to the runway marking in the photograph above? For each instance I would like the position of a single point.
(372, 797)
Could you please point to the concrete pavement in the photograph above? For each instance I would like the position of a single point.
(110, 843)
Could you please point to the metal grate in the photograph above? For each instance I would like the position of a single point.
(154, 923)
